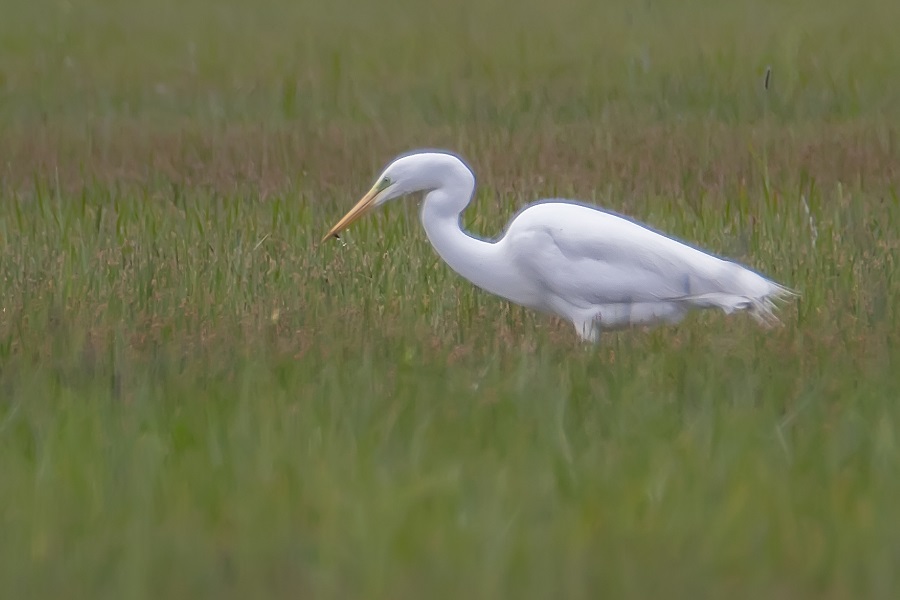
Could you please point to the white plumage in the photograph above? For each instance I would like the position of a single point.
(599, 270)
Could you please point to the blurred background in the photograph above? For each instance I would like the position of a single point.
(274, 88)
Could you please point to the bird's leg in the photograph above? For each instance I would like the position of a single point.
(588, 329)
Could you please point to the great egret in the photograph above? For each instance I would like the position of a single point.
(596, 269)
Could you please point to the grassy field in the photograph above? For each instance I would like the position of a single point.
(199, 401)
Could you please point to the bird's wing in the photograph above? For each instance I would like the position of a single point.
(594, 257)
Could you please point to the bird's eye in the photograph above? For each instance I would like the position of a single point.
(383, 184)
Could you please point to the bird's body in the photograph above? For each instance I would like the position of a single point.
(599, 270)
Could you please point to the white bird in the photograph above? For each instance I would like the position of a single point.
(599, 270)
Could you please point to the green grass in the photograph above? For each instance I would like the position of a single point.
(198, 400)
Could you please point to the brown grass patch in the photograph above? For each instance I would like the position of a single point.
(664, 159)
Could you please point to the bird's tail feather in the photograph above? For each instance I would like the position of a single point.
(760, 306)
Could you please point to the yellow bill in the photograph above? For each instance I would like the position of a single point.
(361, 208)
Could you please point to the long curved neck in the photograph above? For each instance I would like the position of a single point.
(483, 263)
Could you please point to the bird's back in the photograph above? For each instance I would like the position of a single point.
(603, 257)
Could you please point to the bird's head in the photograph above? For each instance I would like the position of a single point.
(410, 173)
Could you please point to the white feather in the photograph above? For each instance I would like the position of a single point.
(599, 270)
